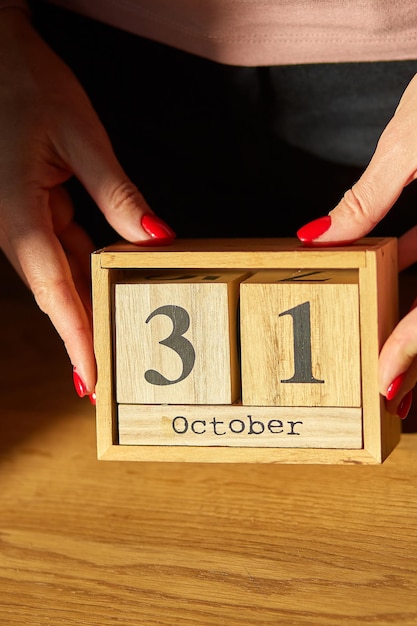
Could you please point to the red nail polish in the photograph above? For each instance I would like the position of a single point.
(159, 232)
(405, 405)
(79, 384)
(312, 230)
(394, 387)
(92, 398)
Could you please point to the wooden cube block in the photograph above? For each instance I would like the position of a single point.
(312, 324)
(300, 338)
(176, 338)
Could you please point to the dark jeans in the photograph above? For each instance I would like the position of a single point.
(227, 151)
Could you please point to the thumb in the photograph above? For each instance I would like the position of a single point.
(392, 167)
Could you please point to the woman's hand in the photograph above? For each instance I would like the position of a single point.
(393, 166)
(49, 132)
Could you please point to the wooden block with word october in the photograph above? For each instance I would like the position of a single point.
(176, 338)
(310, 345)
(241, 427)
(300, 338)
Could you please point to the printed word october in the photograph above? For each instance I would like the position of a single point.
(249, 426)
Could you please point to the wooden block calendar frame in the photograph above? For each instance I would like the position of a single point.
(375, 260)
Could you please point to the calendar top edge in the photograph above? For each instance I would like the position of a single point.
(267, 244)
(241, 253)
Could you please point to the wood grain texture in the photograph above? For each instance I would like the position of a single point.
(102, 289)
(271, 319)
(182, 331)
(240, 427)
(229, 254)
(378, 284)
(154, 544)
(365, 264)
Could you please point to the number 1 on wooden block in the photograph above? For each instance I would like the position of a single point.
(300, 339)
(302, 345)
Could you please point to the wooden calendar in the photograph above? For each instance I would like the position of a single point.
(255, 350)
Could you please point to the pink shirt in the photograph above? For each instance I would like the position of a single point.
(266, 32)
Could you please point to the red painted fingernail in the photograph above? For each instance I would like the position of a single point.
(79, 384)
(92, 398)
(394, 387)
(159, 232)
(312, 230)
(405, 405)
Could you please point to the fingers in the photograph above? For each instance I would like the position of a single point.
(75, 242)
(29, 240)
(91, 158)
(362, 206)
(392, 167)
(398, 365)
(49, 131)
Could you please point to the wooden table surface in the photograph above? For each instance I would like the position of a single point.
(85, 542)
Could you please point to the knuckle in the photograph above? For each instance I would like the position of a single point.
(125, 196)
(49, 292)
(359, 203)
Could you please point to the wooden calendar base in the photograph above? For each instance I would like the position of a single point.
(173, 355)
(240, 426)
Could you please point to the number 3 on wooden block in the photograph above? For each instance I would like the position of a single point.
(300, 339)
(175, 340)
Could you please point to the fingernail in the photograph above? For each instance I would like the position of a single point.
(405, 405)
(156, 229)
(79, 384)
(394, 387)
(312, 230)
(92, 398)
